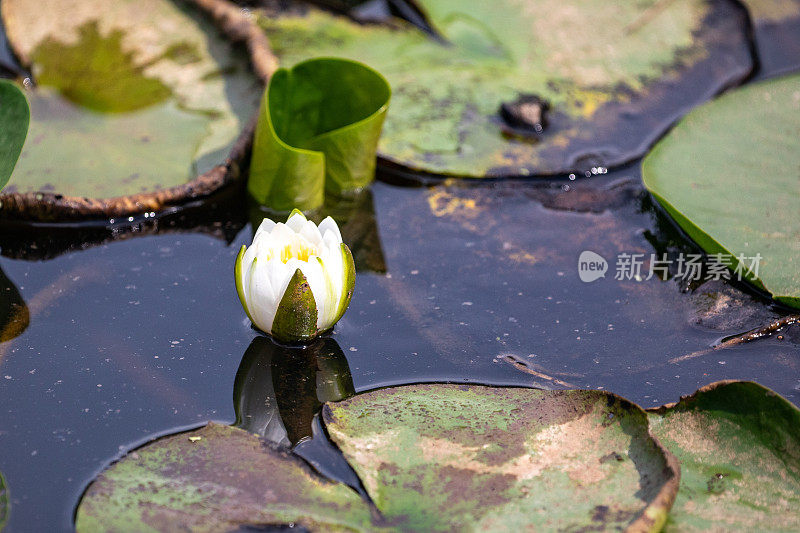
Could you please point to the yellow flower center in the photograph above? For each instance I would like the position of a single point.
(299, 249)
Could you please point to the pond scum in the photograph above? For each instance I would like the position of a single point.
(482, 378)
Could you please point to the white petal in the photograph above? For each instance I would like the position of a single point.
(282, 233)
(265, 227)
(247, 262)
(311, 233)
(279, 276)
(334, 265)
(283, 273)
(325, 320)
(296, 222)
(330, 242)
(330, 225)
(312, 270)
(262, 300)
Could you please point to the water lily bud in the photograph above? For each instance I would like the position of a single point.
(296, 279)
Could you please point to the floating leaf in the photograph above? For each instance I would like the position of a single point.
(739, 448)
(317, 132)
(131, 97)
(776, 24)
(728, 174)
(614, 76)
(14, 118)
(449, 457)
(229, 479)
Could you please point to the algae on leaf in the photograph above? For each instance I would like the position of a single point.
(216, 478)
(615, 76)
(739, 448)
(129, 97)
(729, 174)
(456, 457)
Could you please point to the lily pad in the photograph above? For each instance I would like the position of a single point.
(14, 118)
(131, 97)
(450, 457)
(317, 132)
(776, 24)
(739, 448)
(217, 478)
(728, 174)
(613, 77)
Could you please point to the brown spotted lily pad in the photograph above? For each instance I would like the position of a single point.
(523, 87)
(132, 99)
(455, 458)
(217, 478)
(739, 448)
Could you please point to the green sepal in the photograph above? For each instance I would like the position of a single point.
(296, 317)
(237, 272)
(348, 281)
(294, 212)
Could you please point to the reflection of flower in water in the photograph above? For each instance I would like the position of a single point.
(278, 390)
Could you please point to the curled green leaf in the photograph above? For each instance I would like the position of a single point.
(14, 119)
(317, 132)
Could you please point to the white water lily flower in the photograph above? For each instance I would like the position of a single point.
(296, 279)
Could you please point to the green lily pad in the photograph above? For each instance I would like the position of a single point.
(4, 505)
(216, 478)
(739, 448)
(615, 77)
(130, 97)
(728, 174)
(14, 118)
(450, 457)
(776, 24)
(317, 132)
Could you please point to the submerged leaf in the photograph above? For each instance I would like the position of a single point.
(317, 132)
(450, 457)
(615, 76)
(229, 479)
(131, 96)
(14, 118)
(728, 174)
(739, 448)
(14, 314)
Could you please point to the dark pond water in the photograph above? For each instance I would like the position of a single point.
(112, 335)
(144, 335)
